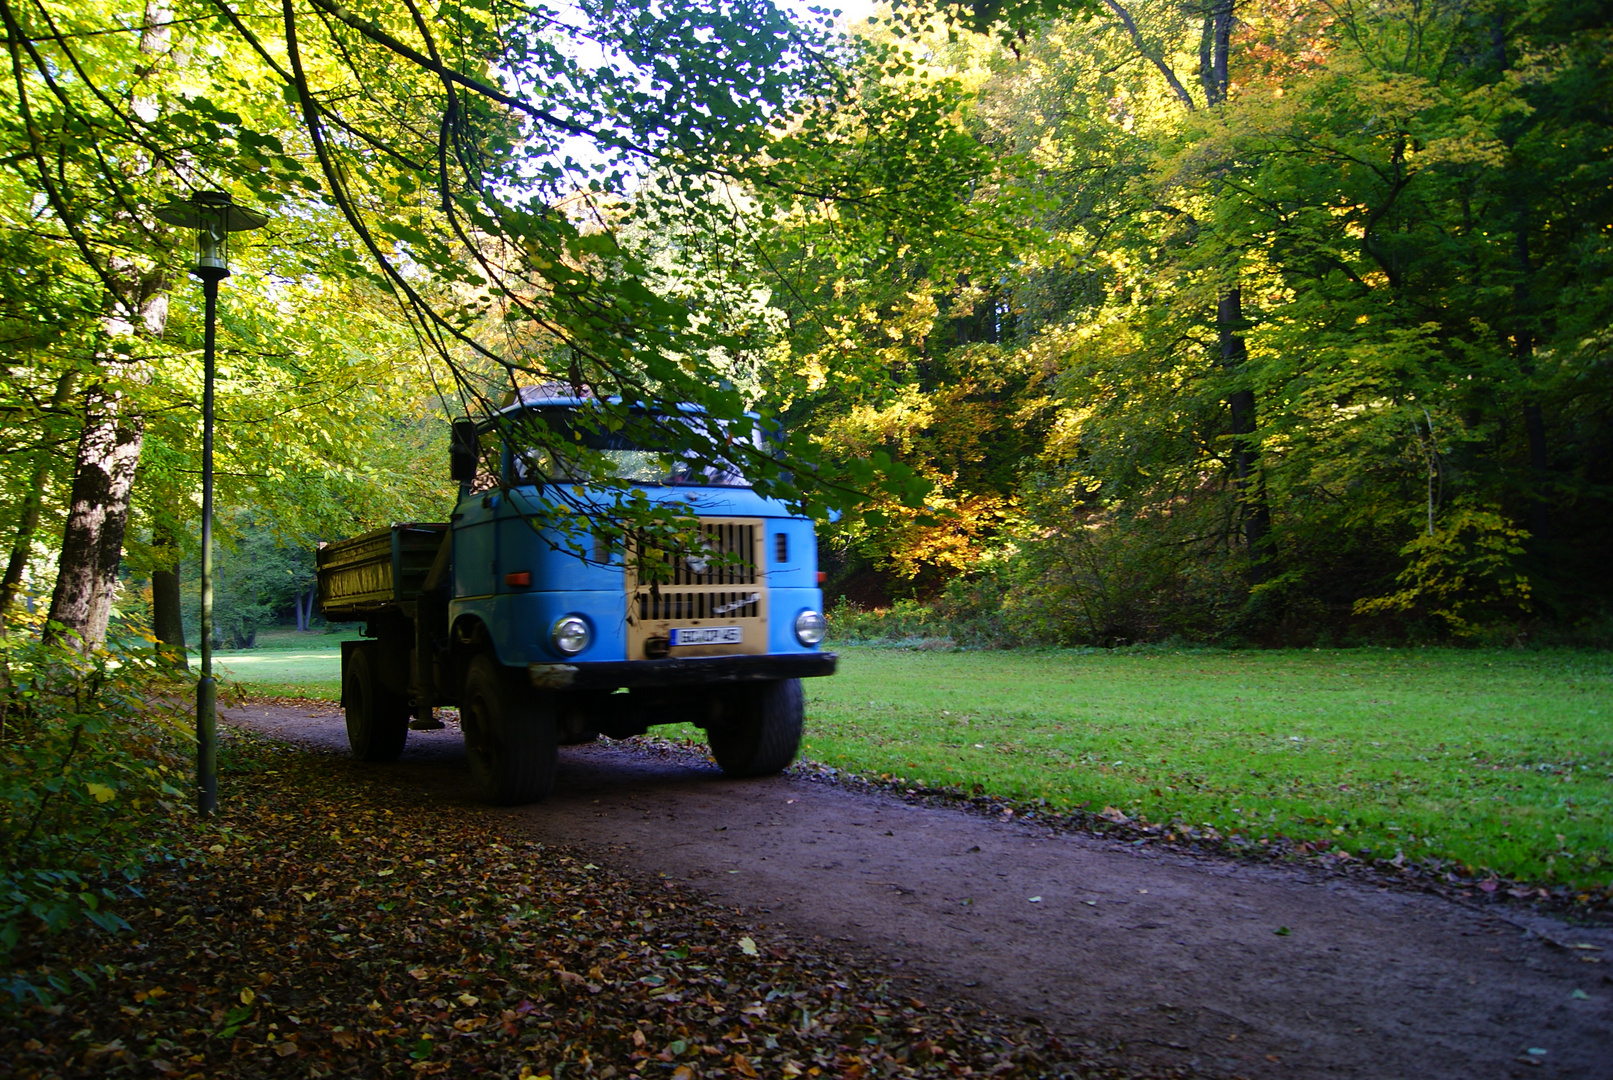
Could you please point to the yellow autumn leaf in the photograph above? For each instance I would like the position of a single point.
(101, 792)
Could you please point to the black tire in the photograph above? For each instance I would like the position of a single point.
(377, 715)
(510, 734)
(761, 731)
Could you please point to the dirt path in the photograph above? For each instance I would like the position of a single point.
(1181, 959)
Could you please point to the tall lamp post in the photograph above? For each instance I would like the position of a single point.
(213, 215)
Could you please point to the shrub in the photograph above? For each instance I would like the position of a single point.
(905, 621)
(90, 747)
(1103, 581)
(971, 608)
(1077, 576)
(1107, 579)
(1466, 575)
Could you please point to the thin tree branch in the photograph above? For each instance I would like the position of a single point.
(1151, 55)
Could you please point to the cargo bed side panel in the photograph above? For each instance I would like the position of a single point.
(369, 573)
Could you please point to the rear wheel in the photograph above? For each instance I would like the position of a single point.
(377, 715)
(760, 731)
(510, 734)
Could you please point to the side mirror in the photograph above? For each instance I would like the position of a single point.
(463, 452)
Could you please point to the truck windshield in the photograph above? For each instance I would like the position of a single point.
(625, 452)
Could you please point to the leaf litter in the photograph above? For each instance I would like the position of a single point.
(327, 924)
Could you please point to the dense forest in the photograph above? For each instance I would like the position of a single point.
(1270, 321)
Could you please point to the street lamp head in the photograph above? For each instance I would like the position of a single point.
(213, 215)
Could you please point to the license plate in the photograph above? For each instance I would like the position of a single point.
(708, 635)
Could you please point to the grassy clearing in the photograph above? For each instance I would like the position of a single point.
(288, 664)
(1500, 759)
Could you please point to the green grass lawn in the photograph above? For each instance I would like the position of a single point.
(1501, 759)
(287, 664)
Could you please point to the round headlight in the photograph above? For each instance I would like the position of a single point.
(809, 627)
(570, 635)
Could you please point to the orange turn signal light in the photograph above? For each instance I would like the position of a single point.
(822, 577)
(520, 577)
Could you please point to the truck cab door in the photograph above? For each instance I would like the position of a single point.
(476, 545)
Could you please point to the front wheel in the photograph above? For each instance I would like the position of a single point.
(377, 715)
(760, 731)
(510, 734)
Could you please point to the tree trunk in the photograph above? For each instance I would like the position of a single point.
(92, 544)
(1245, 448)
(1215, 51)
(114, 430)
(1523, 327)
(32, 499)
(167, 613)
(1215, 47)
(1534, 421)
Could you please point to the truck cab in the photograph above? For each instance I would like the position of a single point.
(545, 635)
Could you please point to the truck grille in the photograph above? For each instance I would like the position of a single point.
(656, 605)
(724, 584)
(721, 539)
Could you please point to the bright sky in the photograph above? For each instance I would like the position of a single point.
(852, 13)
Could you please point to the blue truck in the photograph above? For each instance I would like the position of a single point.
(542, 640)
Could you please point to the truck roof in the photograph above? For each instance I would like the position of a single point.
(553, 396)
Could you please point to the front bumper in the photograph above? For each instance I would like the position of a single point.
(680, 671)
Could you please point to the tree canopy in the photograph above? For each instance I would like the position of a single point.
(1303, 335)
(1248, 320)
